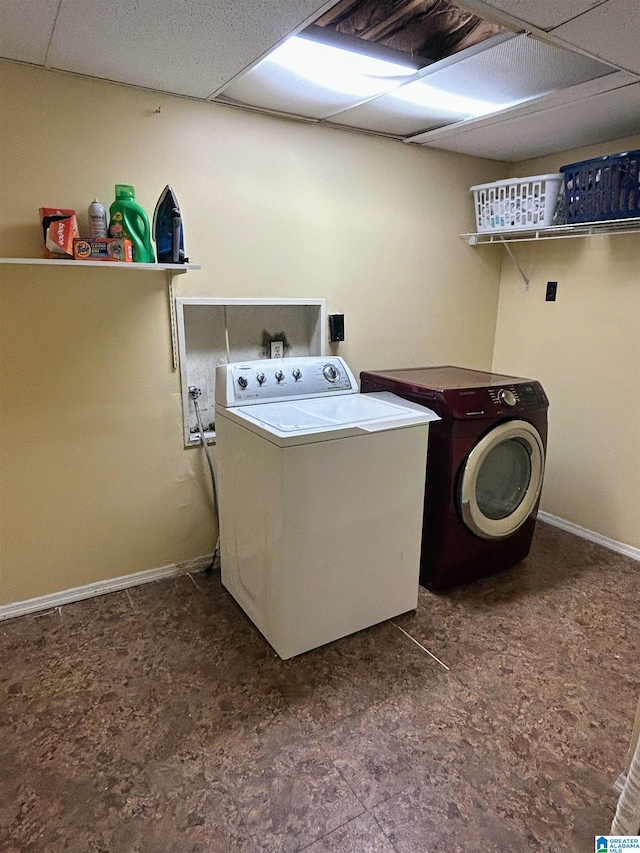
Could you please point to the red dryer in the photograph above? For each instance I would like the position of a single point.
(485, 467)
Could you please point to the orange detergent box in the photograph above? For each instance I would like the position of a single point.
(59, 229)
(103, 249)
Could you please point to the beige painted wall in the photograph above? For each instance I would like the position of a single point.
(585, 349)
(94, 480)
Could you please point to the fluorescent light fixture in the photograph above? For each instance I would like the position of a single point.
(339, 70)
(421, 94)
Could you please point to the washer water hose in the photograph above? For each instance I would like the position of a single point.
(194, 393)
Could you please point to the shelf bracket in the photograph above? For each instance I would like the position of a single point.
(512, 256)
(172, 319)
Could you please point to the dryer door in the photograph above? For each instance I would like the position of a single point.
(501, 478)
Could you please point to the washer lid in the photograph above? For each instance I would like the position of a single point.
(323, 418)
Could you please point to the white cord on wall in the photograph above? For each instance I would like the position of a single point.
(226, 334)
(195, 393)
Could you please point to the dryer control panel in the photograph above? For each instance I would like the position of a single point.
(271, 380)
(500, 400)
(527, 394)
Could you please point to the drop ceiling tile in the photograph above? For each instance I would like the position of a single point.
(604, 116)
(189, 48)
(610, 31)
(544, 14)
(26, 29)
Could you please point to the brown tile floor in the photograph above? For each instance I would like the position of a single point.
(158, 719)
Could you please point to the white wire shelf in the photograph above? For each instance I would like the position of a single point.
(555, 232)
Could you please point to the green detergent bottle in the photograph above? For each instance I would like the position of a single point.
(128, 219)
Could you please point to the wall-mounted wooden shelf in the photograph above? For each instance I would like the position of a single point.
(175, 269)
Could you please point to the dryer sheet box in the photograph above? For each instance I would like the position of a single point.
(59, 229)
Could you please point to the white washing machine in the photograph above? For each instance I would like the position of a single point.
(320, 491)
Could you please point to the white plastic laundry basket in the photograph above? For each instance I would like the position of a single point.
(516, 204)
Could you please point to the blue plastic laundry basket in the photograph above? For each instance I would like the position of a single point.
(603, 188)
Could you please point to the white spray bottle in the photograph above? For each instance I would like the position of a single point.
(97, 220)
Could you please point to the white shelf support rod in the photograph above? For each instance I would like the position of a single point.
(512, 256)
(172, 317)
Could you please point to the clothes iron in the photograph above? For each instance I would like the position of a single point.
(167, 229)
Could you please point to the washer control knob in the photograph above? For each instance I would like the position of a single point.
(331, 373)
(242, 382)
(297, 373)
(261, 378)
(279, 376)
(507, 397)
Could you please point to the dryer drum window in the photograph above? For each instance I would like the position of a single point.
(501, 479)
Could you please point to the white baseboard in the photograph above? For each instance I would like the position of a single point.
(77, 593)
(591, 535)
(90, 590)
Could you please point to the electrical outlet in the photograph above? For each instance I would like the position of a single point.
(277, 349)
(552, 289)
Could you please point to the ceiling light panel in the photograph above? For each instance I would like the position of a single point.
(396, 116)
(482, 84)
(579, 122)
(309, 78)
